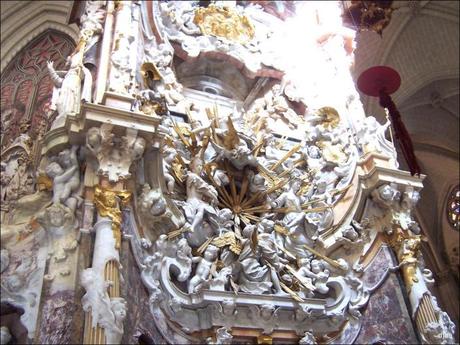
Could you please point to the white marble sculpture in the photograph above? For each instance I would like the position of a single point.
(203, 269)
(114, 157)
(69, 91)
(64, 170)
(371, 137)
(308, 339)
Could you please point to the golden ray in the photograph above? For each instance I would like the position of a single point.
(234, 286)
(224, 203)
(225, 195)
(254, 240)
(278, 185)
(292, 256)
(260, 208)
(292, 293)
(252, 199)
(176, 233)
(259, 145)
(304, 282)
(330, 261)
(293, 150)
(203, 247)
(233, 190)
(184, 140)
(244, 189)
(252, 217)
(281, 230)
(244, 219)
(267, 174)
(288, 171)
(334, 192)
(231, 138)
(279, 145)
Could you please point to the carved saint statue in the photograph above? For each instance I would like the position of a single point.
(68, 90)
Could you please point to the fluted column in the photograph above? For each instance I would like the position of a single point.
(425, 311)
(106, 255)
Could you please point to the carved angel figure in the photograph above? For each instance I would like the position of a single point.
(316, 271)
(203, 269)
(169, 154)
(371, 137)
(223, 221)
(201, 198)
(240, 156)
(66, 178)
(294, 220)
(114, 328)
(91, 22)
(258, 263)
(152, 201)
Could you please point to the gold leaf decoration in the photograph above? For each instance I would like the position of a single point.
(224, 22)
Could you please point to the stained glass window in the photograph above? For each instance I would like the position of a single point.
(453, 208)
(26, 87)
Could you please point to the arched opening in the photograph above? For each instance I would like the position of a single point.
(26, 87)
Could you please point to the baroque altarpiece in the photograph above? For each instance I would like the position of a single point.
(169, 179)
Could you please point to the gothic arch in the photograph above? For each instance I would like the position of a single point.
(26, 86)
(18, 29)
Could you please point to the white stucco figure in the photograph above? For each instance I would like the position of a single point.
(203, 269)
(66, 177)
(69, 92)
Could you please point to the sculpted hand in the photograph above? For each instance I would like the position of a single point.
(50, 65)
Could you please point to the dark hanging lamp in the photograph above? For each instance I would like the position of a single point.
(381, 82)
(364, 15)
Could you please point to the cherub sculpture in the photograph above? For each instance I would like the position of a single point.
(151, 202)
(319, 274)
(66, 178)
(203, 270)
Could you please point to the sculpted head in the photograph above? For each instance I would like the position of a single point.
(304, 262)
(211, 253)
(226, 214)
(316, 266)
(196, 165)
(267, 225)
(139, 147)
(53, 169)
(388, 193)
(314, 152)
(295, 184)
(248, 229)
(258, 180)
(93, 137)
(56, 215)
(266, 311)
(64, 158)
(119, 308)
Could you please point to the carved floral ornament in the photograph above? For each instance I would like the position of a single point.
(224, 22)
